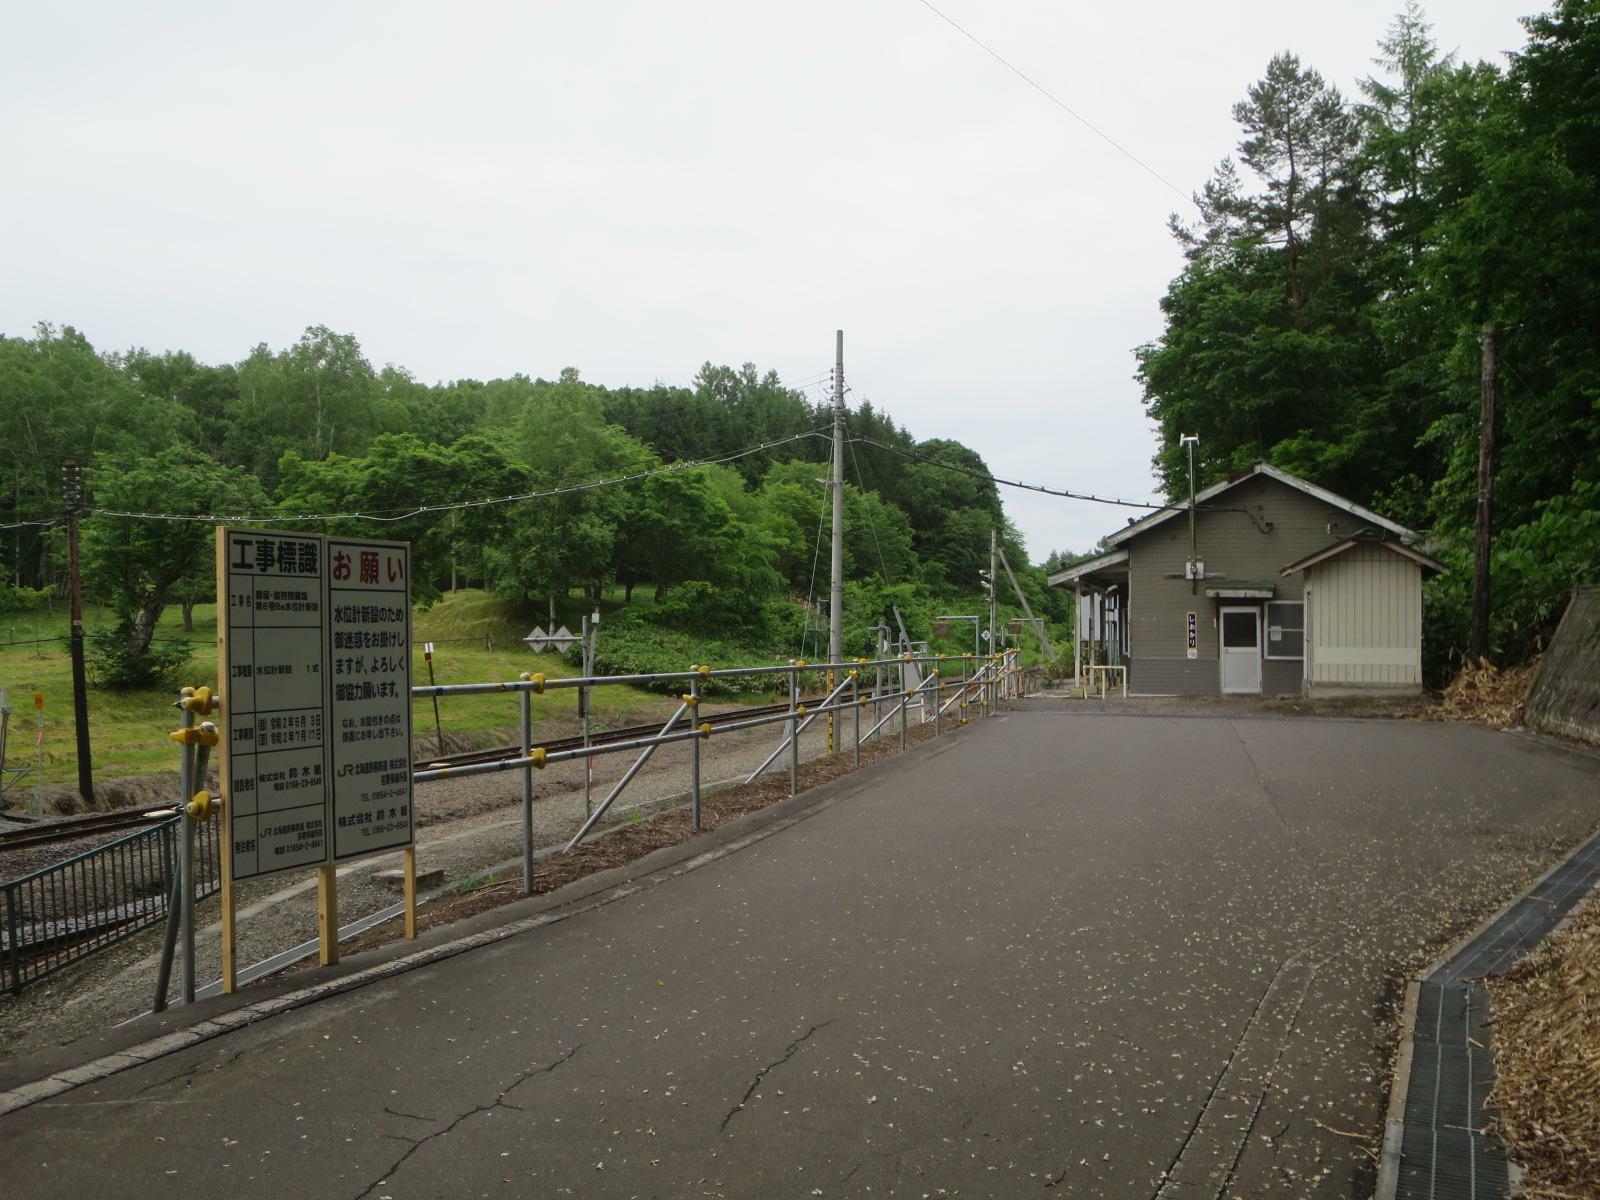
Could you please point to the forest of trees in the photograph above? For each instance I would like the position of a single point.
(1347, 257)
(730, 548)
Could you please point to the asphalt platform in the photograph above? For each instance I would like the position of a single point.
(1053, 954)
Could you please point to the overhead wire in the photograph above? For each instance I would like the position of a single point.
(1058, 102)
(872, 522)
(1151, 505)
(811, 591)
(394, 515)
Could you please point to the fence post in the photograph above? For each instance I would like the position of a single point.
(903, 698)
(694, 753)
(794, 725)
(14, 938)
(525, 714)
(186, 859)
(855, 707)
(938, 697)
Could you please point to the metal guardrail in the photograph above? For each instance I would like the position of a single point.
(65, 912)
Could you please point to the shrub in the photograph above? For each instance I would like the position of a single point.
(113, 664)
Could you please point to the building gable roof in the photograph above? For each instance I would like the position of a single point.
(1090, 565)
(1145, 524)
(1366, 537)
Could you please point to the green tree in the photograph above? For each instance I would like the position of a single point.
(137, 566)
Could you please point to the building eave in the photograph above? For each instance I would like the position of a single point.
(1078, 570)
(1145, 524)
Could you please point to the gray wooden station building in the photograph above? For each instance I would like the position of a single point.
(1287, 589)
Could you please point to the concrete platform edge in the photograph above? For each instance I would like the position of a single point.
(50, 1073)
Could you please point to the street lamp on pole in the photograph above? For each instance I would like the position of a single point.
(1191, 440)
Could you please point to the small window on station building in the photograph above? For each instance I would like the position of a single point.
(1286, 629)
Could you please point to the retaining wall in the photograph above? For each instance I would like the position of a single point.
(1565, 695)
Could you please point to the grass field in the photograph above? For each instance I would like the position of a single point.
(476, 639)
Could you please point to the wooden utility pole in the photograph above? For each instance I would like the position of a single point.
(1479, 648)
(836, 560)
(80, 683)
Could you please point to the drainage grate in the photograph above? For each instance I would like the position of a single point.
(1446, 1150)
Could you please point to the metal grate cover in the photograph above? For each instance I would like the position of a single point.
(1446, 1149)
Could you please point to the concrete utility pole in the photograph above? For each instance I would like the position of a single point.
(836, 562)
(1479, 648)
(80, 683)
(836, 558)
(994, 584)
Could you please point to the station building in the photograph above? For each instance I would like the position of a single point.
(1287, 589)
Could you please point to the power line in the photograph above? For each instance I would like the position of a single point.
(393, 515)
(872, 522)
(1038, 487)
(1059, 103)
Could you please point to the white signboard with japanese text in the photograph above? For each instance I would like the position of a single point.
(369, 652)
(273, 683)
(315, 666)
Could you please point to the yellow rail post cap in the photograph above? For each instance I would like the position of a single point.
(536, 755)
(799, 664)
(187, 736)
(199, 808)
(800, 711)
(705, 670)
(208, 734)
(854, 673)
(705, 729)
(690, 699)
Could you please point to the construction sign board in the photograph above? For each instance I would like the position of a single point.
(369, 641)
(308, 765)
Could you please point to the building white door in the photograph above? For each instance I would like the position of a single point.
(1241, 650)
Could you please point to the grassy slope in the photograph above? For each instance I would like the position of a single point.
(128, 729)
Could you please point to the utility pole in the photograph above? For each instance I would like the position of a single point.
(1479, 647)
(80, 683)
(994, 586)
(836, 560)
(1192, 440)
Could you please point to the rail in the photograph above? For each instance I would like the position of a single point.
(65, 912)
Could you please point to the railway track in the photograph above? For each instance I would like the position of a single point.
(496, 753)
(69, 829)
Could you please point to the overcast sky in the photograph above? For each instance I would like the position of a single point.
(634, 189)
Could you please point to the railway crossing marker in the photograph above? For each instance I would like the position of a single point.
(539, 641)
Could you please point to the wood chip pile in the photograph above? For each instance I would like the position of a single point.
(1547, 1058)
(1484, 693)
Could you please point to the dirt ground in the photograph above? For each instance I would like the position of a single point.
(467, 828)
(1547, 1061)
